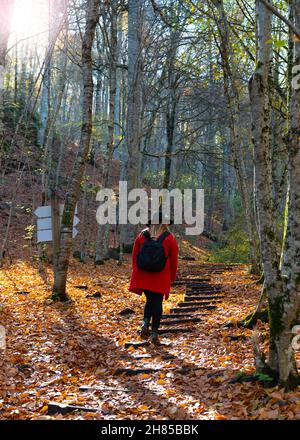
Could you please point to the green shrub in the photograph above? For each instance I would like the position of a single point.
(232, 247)
(233, 244)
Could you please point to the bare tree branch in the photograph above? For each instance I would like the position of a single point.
(159, 11)
(282, 17)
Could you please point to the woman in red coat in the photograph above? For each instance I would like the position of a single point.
(155, 285)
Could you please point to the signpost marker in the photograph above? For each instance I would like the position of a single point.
(44, 223)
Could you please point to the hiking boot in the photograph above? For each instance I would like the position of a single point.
(154, 337)
(144, 332)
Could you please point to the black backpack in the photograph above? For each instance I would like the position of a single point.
(152, 254)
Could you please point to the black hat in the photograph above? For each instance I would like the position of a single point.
(159, 218)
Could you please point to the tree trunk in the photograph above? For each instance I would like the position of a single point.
(5, 20)
(134, 102)
(283, 298)
(172, 101)
(55, 221)
(48, 110)
(234, 122)
(286, 306)
(112, 41)
(60, 275)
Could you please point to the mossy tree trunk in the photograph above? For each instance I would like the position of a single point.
(286, 307)
(283, 296)
(260, 313)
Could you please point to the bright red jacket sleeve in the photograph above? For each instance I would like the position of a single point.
(173, 259)
(135, 251)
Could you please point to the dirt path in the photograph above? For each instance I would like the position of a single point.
(89, 355)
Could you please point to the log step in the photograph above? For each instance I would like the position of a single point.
(180, 321)
(180, 315)
(185, 280)
(136, 371)
(194, 303)
(205, 294)
(136, 344)
(193, 277)
(163, 331)
(187, 258)
(200, 296)
(195, 287)
(217, 265)
(62, 408)
(183, 315)
(133, 372)
(103, 389)
(203, 286)
(191, 309)
(208, 270)
(201, 300)
(199, 293)
(203, 291)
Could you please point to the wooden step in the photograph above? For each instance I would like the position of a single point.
(62, 408)
(201, 300)
(103, 388)
(181, 315)
(163, 331)
(199, 293)
(191, 275)
(136, 371)
(188, 279)
(215, 267)
(196, 284)
(180, 321)
(200, 297)
(192, 309)
(203, 291)
(209, 271)
(193, 303)
(171, 316)
(136, 344)
(201, 286)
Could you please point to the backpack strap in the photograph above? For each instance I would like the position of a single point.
(163, 236)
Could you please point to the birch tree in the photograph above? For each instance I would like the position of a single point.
(110, 36)
(5, 21)
(285, 306)
(134, 103)
(234, 117)
(172, 101)
(282, 289)
(61, 269)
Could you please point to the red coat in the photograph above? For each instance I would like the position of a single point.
(159, 282)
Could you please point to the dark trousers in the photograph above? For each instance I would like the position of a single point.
(153, 307)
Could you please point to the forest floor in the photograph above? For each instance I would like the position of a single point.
(53, 349)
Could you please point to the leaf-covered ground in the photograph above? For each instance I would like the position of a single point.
(53, 349)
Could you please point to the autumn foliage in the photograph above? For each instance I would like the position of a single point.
(53, 349)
